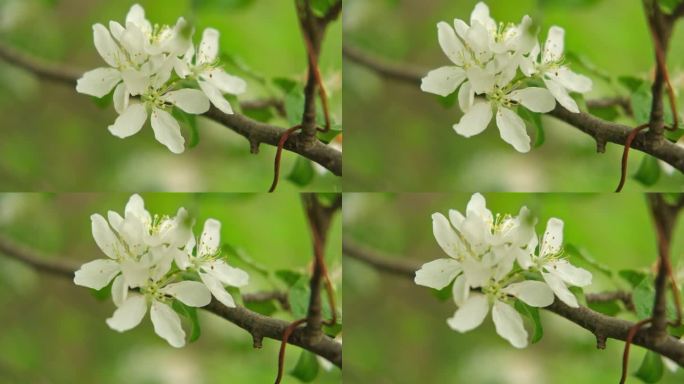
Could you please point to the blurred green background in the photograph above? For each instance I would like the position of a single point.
(55, 332)
(54, 139)
(397, 332)
(402, 139)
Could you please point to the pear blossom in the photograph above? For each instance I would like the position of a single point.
(487, 255)
(141, 250)
(213, 272)
(498, 64)
(141, 58)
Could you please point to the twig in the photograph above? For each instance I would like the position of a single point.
(254, 131)
(259, 326)
(603, 297)
(383, 67)
(379, 260)
(622, 102)
(279, 151)
(628, 342)
(281, 354)
(258, 297)
(625, 155)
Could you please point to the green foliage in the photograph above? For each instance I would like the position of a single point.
(532, 315)
(651, 369)
(443, 294)
(189, 313)
(609, 308)
(189, 121)
(609, 113)
(302, 172)
(568, 3)
(321, 7)
(533, 120)
(669, 5)
(649, 171)
(643, 297)
(221, 4)
(104, 293)
(584, 255)
(327, 137)
(632, 277)
(306, 369)
(290, 278)
(299, 295)
(104, 101)
(266, 308)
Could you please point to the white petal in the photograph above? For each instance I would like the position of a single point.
(129, 122)
(182, 259)
(460, 290)
(466, 97)
(558, 287)
(442, 81)
(524, 258)
(438, 273)
(119, 290)
(136, 81)
(534, 98)
(534, 293)
(572, 275)
(208, 48)
(167, 131)
(98, 82)
(553, 238)
(224, 82)
(167, 324)
(104, 237)
(553, 48)
(512, 129)
(135, 206)
(211, 238)
(480, 14)
(451, 45)
(215, 97)
(476, 273)
(136, 15)
(561, 95)
(509, 324)
(105, 45)
(115, 220)
(456, 219)
(571, 80)
(471, 314)
(116, 29)
(228, 275)
(192, 293)
(481, 80)
(120, 98)
(96, 274)
(217, 290)
(189, 100)
(446, 237)
(475, 120)
(477, 206)
(181, 67)
(129, 314)
(133, 42)
(135, 273)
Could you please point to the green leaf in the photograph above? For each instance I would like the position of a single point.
(302, 173)
(285, 84)
(609, 113)
(327, 137)
(321, 7)
(610, 308)
(189, 313)
(631, 83)
(190, 122)
(633, 277)
(643, 296)
(264, 114)
(669, 5)
(449, 100)
(104, 101)
(584, 255)
(104, 293)
(674, 136)
(651, 369)
(534, 120)
(531, 313)
(306, 369)
(290, 278)
(298, 297)
(294, 106)
(648, 172)
(266, 308)
(641, 103)
(443, 294)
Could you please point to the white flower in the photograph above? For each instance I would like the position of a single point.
(213, 271)
(557, 272)
(212, 80)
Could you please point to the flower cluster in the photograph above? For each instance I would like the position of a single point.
(142, 59)
(494, 260)
(504, 65)
(148, 259)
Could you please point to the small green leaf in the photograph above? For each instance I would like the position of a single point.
(651, 369)
(531, 313)
(633, 277)
(648, 172)
(443, 294)
(610, 308)
(266, 308)
(104, 293)
(191, 314)
(190, 122)
(609, 113)
(290, 278)
(583, 254)
(294, 106)
(285, 84)
(449, 100)
(631, 83)
(641, 103)
(327, 137)
(321, 7)
(104, 101)
(306, 369)
(264, 114)
(534, 120)
(669, 5)
(298, 297)
(302, 173)
(643, 296)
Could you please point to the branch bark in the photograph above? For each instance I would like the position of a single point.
(600, 325)
(601, 130)
(259, 326)
(254, 131)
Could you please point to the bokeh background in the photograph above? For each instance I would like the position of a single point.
(397, 332)
(54, 139)
(54, 331)
(401, 139)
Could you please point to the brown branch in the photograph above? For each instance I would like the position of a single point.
(603, 297)
(278, 104)
(378, 259)
(601, 130)
(259, 326)
(259, 297)
(602, 326)
(254, 131)
(622, 102)
(625, 155)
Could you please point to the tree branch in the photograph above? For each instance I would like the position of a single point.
(601, 130)
(259, 326)
(254, 131)
(600, 325)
